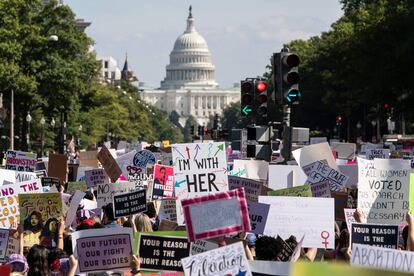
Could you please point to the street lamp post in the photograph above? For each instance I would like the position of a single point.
(28, 120)
(42, 142)
(80, 132)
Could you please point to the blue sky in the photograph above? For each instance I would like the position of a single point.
(241, 34)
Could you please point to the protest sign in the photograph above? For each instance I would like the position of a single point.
(199, 169)
(125, 160)
(74, 204)
(350, 170)
(12, 246)
(201, 246)
(341, 202)
(168, 209)
(162, 253)
(270, 268)
(383, 190)
(349, 218)
(95, 177)
(321, 172)
(106, 192)
(344, 151)
(80, 174)
(382, 258)
(301, 191)
(377, 153)
(58, 166)
(143, 159)
(239, 172)
(88, 159)
(126, 204)
(251, 187)
(255, 169)
(317, 140)
(286, 176)
(163, 182)
(102, 249)
(226, 260)
(375, 234)
(4, 241)
(7, 177)
(9, 204)
(139, 176)
(321, 189)
(258, 216)
(337, 269)
(285, 252)
(73, 186)
(109, 164)
(310, 154)
(40, 214)
(50, 181)
(20, 161)
(298, 216)
(221, 213)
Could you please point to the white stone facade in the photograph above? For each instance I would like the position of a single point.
(189, 87)
(110, 70)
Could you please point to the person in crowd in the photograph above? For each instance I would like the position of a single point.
(109, 219)
(142, 223)
(37, 259)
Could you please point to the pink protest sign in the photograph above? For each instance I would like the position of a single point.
(216, 215)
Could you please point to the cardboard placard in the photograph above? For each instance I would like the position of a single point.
(73, 186)
(286, 176)
(321, 172)
(300, 191)
(299, 216)
(4, 241)
(58, 167)
(80, 174)
(382, 258)
(258, 216)
(109, 164)
(20, 161)
(201, 246)
(162, 253)
(226, 260)
(168, 209)
(285, 252)
(106, 192)
(344, 151)
(126, 204)
(102, 249)
(254, 169)
(199, 169)
(95, 177)
(167, 225)
(310, 154)
(375, 234)
(383, 190)
(321, 189)
(163, 182)
(349, 218)
(221, 213)
(341, 202)
(378, 153)
(251, 187)
(74, 204)
(318, 140)
(88, 159)
(352, 172)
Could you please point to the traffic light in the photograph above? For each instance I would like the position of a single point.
(260, 94)
(338, 120)
(286, 77)
(247, 97)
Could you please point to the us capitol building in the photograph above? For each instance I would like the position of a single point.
(189, 87)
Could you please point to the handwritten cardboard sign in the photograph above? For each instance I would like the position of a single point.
(58, 166)
(102, 249)
(163, 182)
(375, 234)
(378, 153)
(168, 209)
(50, 181)
(382, 258)
(321, 189)
(21, 161)
(4, 241)
(9, 202)
(383, 190)
(310, 154)
(345, 151)
(321, 172)
(106, 192)
(201, 246)
(258, 213)
(162, 253)
(199, 169)
(127, 204)
(254, 169)
(298, 216)
(227, 260)
(300, 191)
(73, 186)
(89, 159)
(109, 164)
(251, 187)
(95, 177)
(221, 213)
(349, 217)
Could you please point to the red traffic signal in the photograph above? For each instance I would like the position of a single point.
(339, 118)
(261, 86)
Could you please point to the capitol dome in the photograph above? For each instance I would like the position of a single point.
(190, 61)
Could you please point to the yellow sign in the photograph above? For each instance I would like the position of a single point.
(166, 144)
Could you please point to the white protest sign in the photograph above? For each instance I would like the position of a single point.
(74, 204)
(199, 169)
(378, 153)
(255, 169)
(270, 267)
(352, 172)
(285, 176)
(21, 161)
(383, 191)
(310, 154)
(126, 160)
(382, 258)
(81, 173)
(344, 150)
(168, 209)
(201, 246)
(106, 192)
(349, 218)
(368, 146)
(321, 172)
(298, 216)
(7, 176)
(226, 260)
(95, 177)
(318, 140)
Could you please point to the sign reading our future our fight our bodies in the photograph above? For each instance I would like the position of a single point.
(199, 169)
(383, 190)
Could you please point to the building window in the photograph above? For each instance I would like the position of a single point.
(106, 64)
(196, 113)
(106, 75)
(182, 105)
(162, 105)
